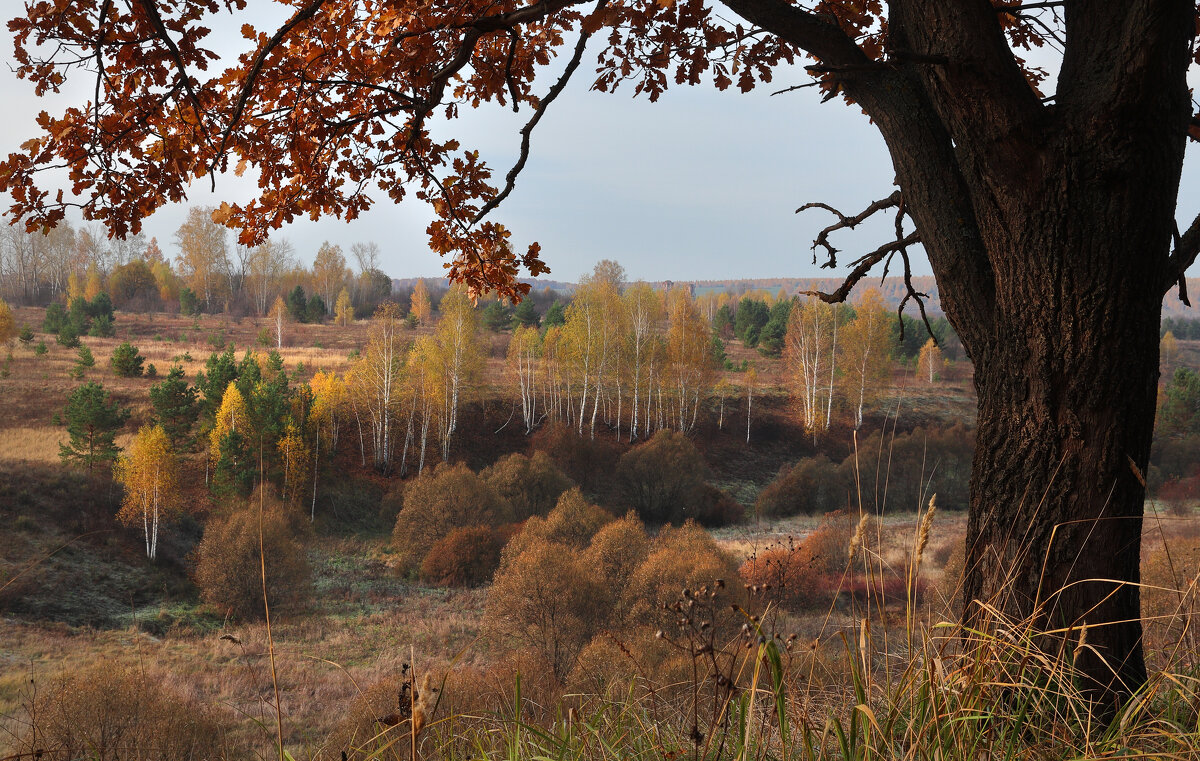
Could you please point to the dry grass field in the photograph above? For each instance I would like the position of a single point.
(365, 620)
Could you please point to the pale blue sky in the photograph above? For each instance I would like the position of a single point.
(701, 185)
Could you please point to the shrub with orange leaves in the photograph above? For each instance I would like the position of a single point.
(437, 502)
(466, 557)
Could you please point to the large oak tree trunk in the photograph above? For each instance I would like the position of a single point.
(1067, 390)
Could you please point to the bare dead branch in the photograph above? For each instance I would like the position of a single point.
(863, 268)
(846, 223)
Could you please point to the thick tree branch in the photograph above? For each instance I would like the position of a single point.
(1187, 248)
(895, 95)
(819, 35)
(239, 108)
(160, 29)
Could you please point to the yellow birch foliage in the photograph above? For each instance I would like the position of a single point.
(421, 307)
(231, 417)
(93, 287)
(329, 404)
(296, 458)
(8, 324)
(74, 287)
(866, 351)
(343, 311)
(149, 473)
(930, 361)
(1168, 349)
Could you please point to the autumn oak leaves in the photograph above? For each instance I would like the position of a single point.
(334, 103)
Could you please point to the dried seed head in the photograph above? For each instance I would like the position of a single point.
(923, 533)
(856, 540)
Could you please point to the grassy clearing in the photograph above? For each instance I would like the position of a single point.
(880, 679)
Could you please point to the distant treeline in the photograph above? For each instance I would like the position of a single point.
(1185, 328)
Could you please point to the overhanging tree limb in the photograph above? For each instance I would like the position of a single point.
(845, 223)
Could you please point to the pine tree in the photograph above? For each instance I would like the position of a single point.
(235, 466)
(175, 407)
(219, 371)
(83, 361)
(525, 314)
(126, 361)
(150, 474)
(555, 315)
(92, 421)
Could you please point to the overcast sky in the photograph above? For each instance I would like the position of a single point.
(700, 185)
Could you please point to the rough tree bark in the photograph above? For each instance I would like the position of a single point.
(1049, 229)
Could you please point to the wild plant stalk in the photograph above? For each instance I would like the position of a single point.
(262, 560)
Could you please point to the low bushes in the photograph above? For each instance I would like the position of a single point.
(810, 486)
(556, 592)
(466, 557)
(108, 712)
(229, 566)
(893, 473)
(532, 485)
(684, 557)
(442, 499)
(663, 479)
(587, 461)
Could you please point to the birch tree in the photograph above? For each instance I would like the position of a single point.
(458, 344)
(643, 313)
(809, 360)
(376, 379)
(523, 352)
(280, 316)
(149, 473)
(866, 351)
(930, 361)
(689, 355)
(420, 305)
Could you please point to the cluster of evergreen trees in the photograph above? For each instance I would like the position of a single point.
(81, 317)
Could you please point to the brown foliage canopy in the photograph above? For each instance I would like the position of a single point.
(466, 557)
(681, 558)
(229, 564)
(532, 485)
(108, 712)
(663, 479)
(437, 502)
